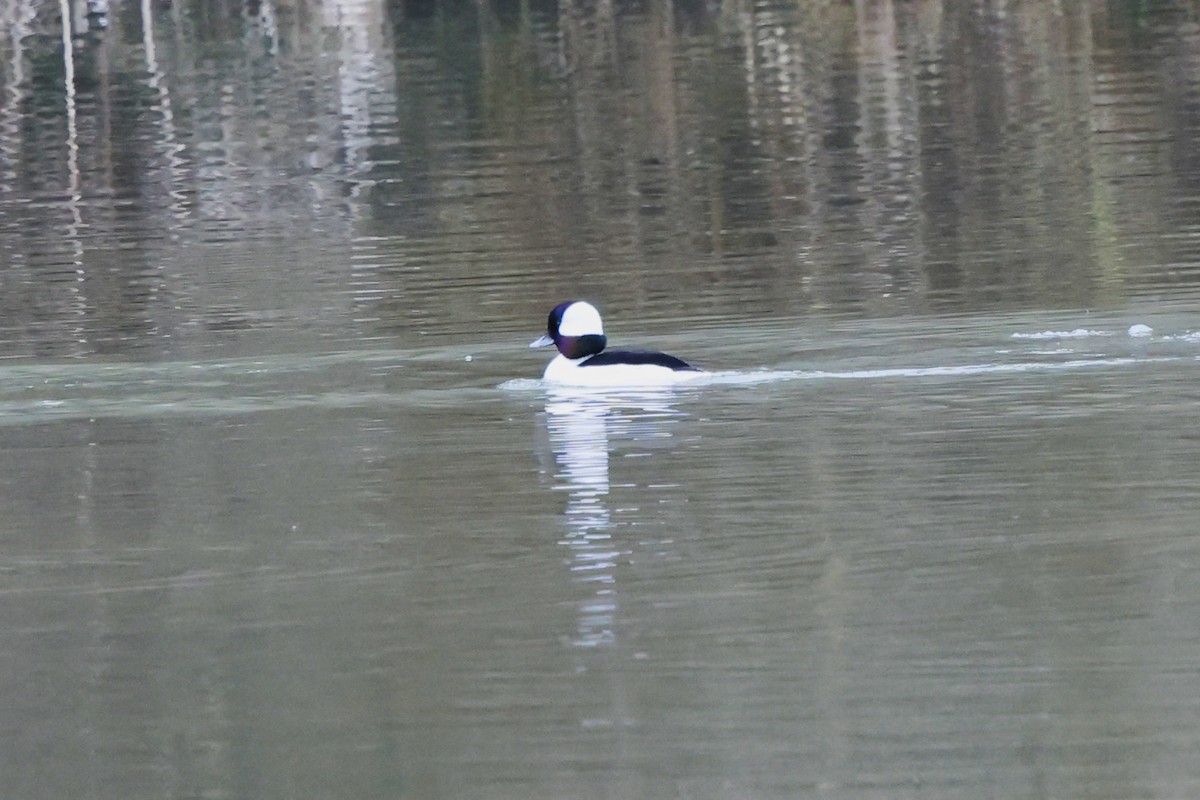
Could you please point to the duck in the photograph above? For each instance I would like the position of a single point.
(576, 329)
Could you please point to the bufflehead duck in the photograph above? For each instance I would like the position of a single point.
(576, 330)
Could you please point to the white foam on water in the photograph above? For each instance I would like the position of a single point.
(1191, 337)
(1078, 333)
(522, 385)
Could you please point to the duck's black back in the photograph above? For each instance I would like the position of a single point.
(610, 358)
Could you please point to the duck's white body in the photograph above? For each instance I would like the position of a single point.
(576, 329)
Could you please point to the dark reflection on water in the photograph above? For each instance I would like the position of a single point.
(276, 520)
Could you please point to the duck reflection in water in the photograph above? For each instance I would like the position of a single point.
(581, 424)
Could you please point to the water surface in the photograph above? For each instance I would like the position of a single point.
(285, 510)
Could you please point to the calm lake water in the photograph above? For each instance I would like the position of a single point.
(286, 512)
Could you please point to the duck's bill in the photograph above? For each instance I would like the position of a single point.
(542, 341)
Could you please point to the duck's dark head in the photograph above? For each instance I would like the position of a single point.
(575, 328)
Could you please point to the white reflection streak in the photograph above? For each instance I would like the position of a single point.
(362, 70)
(268, 22)
(169, 141)
(16, 22)
(73, 188)
(72, 129)
(578, 429)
